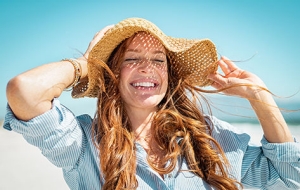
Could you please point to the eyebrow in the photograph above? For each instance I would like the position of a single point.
(158, 51)
(133, 50)
(138, 51)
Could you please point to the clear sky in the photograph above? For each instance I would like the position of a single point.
(35, 32)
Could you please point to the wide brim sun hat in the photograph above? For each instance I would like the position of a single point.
(192, 59)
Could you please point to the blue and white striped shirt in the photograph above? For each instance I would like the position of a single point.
(66, 141)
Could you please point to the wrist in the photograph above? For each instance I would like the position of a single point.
(83, 63)
(77, 72)
(262, 99)
(257, 92)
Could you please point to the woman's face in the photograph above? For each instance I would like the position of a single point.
(143, 75)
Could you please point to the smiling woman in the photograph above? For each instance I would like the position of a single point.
(149, 131)
(144, 75)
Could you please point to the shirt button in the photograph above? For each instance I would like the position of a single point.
(169, 175)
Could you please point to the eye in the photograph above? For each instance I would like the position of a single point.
(131, 59)
(159, 62)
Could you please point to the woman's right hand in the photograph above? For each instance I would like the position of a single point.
(96, 38)
(83, 60)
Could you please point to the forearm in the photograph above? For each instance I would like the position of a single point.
(30, 94)
(273, 124)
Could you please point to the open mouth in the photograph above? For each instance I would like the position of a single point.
(144, 85)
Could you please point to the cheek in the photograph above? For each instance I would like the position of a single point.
(124, 77)
(124, 73)
(164, 74)
(164, 77)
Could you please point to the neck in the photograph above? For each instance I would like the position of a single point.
(141, 120)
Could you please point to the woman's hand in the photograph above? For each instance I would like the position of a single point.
(242, 83)
(247, 85)
(83, 60)
(96, 38)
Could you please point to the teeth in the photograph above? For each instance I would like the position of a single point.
(144, 84)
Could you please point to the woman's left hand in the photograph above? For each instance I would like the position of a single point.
(242, 83)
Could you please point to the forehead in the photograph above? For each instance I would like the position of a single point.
(145, 41)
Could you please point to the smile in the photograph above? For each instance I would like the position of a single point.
(144, 84)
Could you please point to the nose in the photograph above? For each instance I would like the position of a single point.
(145, 66)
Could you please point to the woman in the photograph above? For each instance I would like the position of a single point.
(150, 131)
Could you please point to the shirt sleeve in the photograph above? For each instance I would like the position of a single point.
(57, 133)
(266, 166)
(272, 166)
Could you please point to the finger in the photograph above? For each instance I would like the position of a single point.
(216, 85)
(225, 68)
(103, 31)
(229, 64)
(218, 79)
(96, 38)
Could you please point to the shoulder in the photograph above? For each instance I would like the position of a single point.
(218, 125)
(226, 134)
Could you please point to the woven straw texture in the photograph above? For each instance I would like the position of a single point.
(192, 60)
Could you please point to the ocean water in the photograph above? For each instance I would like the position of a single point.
(238, 112)
(233, 109)
(255, 131)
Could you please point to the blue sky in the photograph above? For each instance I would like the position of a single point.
(36, 32)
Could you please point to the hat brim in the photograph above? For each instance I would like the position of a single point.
(192, 60)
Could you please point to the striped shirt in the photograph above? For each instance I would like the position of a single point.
(66, 141)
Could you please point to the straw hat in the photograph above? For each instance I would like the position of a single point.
(192, 60)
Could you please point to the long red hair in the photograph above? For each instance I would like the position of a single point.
(179, 116)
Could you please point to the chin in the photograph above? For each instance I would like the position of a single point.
(151, 101)
(149, 104)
